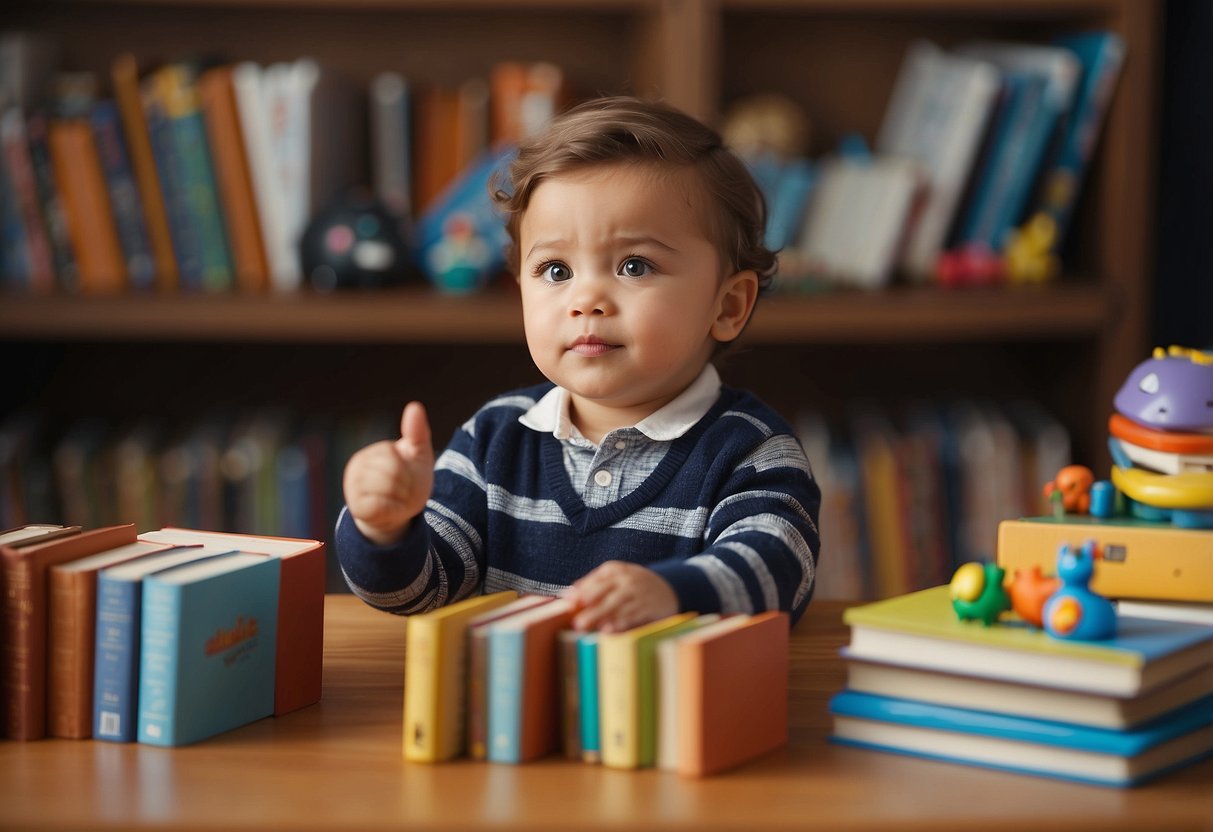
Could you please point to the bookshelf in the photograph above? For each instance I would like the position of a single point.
(1068, 345)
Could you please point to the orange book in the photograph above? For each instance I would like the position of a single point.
(508, 84)
(297, 666)
(125, 76)
(90, 219)
(733, 691)
(71, 637)
(25, 621)
(234, 178)
(435, 163)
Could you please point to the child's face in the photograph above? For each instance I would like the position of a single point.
(621, 287)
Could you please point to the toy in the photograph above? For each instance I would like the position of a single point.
(1074, 483)
(1029, 591)
(354, 243)
(978, 593)
(969, 265)
(1172, 390)
(1029, 251)
(1074, 611)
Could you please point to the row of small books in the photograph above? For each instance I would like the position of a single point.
(503, 678)
(167, 637)
(188, 177)
(1115, 712)
(975, 140)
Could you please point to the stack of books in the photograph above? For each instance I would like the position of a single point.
(1008, 696)
(505, 679)
(167, 638)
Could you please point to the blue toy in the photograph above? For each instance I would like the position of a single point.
(978, 593)
(1074, 611)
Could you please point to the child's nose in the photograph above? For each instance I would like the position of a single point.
(591, 296)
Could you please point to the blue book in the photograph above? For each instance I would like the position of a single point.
(1101, 54)
(187, 243)
(209, 645)
(524, 703)
(1005, 173)
(124, 194)
(587, 675)
(116, 657)
(1102, 756)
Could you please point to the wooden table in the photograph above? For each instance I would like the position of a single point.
(337, 766)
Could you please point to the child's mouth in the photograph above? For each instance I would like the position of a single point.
(589, 345)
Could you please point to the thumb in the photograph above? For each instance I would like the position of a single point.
(415, 437)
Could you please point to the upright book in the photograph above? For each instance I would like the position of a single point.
(922, 630)
(627, 679)
(732, 680)
(936, 116)
(119, 627)
(435, 677)
(25, 621)
(478, 671)
(208, 643)
(72, 637)
(300, 628)
(524, 712)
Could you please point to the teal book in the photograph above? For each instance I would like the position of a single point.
(118, 625)
(209, 634)
(587, 677)
(523, 685)
(1102, 756)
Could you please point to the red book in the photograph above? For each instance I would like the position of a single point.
(25, 621)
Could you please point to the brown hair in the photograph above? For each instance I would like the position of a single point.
(625, 129)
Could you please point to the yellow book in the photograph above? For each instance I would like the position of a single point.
(1140, 559)
(434, 677)
(627, 691)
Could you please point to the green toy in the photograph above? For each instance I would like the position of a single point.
(978, 593)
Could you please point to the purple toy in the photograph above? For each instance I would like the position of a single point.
(1173, 390)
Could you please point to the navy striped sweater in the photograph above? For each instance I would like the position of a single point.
(728, 517)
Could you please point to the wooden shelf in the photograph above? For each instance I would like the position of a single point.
(421, 316)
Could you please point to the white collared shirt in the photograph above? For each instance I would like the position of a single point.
(626, 456)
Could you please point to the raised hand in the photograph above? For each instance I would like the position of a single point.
(387, 483)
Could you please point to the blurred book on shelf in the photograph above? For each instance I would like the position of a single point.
(259, 473)
(909, 494)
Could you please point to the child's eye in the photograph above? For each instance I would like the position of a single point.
(554, 272)
(635, 267)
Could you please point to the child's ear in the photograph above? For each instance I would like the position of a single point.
(734, 303)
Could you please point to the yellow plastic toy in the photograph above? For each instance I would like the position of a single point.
(1186, 490)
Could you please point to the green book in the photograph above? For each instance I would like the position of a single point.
(922, 630)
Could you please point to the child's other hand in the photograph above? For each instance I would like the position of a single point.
(386, 484)
(619, 595)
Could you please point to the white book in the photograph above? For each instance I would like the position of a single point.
(857, 219)
(252, 103)
(669, 700)
(936, 116)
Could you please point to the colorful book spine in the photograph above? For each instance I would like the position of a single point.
(186, 243)
(587, 670)
(66, 271)
(115, 672)
(24, 191)
(124, 195)
(179, 97)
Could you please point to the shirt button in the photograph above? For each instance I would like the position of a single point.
(603, 478)
(620, 445)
